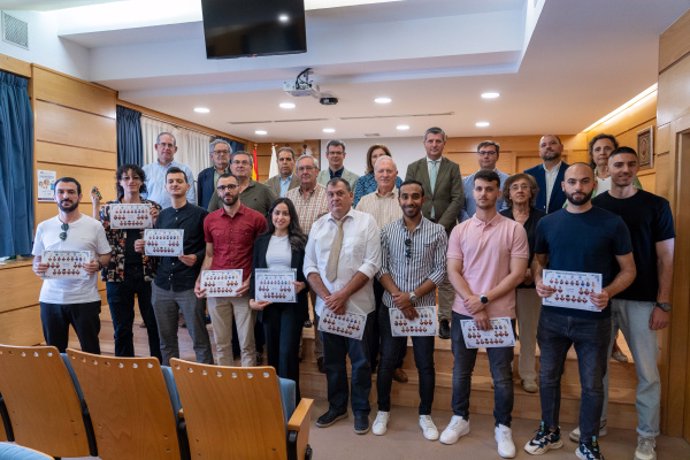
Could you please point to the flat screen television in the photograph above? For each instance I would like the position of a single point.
(238, 28)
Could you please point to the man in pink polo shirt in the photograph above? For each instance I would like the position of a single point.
(487, 259)
(230, 233)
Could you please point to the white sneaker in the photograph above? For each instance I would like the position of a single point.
(504, 440)
(645, 448)
(428, 427)
(575, 434)
(457, 427)
(380, 425)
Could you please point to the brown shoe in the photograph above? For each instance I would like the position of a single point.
(399, 375)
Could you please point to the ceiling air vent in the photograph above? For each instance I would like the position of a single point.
(372, 135)
(15, 31)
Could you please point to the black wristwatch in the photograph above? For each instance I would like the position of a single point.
(483, 299)
(665, 306)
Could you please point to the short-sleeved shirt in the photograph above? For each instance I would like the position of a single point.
(649, 220)
(311, 208)
(233, 238)
(486, 249)
(584, 242)
(84, 234)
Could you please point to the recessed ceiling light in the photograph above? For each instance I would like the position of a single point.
(328, 130)
(283, 18)
(402, 127)
(260, 132)
(287, 105)
(490, 95)
(482, 124)
(202, 109)
(383, 100)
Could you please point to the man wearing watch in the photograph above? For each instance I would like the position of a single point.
(413, 264)
(644, 307)
(487, 260)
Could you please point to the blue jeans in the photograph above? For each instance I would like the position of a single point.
(591, 337)
(121, 303)
(632, 317)
(335, 350)
(391, 349)
(501, 364)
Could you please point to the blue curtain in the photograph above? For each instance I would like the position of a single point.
(16, 166)
(130, 145)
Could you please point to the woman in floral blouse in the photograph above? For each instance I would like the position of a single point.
(129, 273)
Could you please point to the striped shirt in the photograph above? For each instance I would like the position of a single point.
(309, 209)
(384, 208)
(412, 264)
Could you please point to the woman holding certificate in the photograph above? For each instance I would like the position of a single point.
(128, 273)
(279, 289)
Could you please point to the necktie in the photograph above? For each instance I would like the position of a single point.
(332, 266)
(433, 173)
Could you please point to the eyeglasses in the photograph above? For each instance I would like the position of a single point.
(519, 187)
(240, 162)
(305, 168)
(221, 152)
(63, 234)
(222, 188)
(408, 248)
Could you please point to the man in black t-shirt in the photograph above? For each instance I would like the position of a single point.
(579, 238)
(644, 307)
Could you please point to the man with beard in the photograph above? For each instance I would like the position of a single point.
(230, 233)
(74, 301)
(579, 238)
(413, 264)
(549, 174)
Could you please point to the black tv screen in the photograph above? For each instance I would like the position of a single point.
(236, 28)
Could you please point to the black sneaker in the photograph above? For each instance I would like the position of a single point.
(544, 440)
(320, 365)
(330, 417)
(444, 329)
(589, 451)
(361, 423)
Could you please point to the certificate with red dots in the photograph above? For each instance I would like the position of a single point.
(66, 264)
(572, 289)
(221, 283)
(499, 335)
(275, 285)
(134, 215)
(349, 325)
(166, 242)
(425, 324)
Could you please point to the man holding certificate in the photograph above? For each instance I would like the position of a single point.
(487, 259)
(575, 243)
(342, 256)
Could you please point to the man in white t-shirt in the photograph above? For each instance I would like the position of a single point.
(63, 300)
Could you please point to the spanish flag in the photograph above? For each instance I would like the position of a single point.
(255, 170)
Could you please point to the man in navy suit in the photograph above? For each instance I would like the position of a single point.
(220, 152)
(549, 174)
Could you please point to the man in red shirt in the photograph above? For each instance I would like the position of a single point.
(230, 233)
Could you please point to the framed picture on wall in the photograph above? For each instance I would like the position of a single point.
(645, 147)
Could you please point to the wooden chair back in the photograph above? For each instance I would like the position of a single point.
(130, 406)
(231, 412)
(42, 401)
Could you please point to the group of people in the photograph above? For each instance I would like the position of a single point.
(366, 245)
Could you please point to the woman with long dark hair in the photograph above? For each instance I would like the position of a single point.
(128, 273)
(282, 248)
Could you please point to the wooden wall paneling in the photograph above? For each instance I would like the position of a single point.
(15, 66)
(674, 43)
(70, 92)
(19, 287)
(47, 152)
(674, 92)
(21, 326)
(62, 125)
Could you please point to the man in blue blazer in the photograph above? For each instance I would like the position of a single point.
(220, 152)
(549, 175)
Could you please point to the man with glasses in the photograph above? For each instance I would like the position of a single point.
(166, 147)
(286, 179)
(335, 154)
(220, 151)
(230, 233)
(70, 299)
(487, 157)
(413, 264)
(254, 195)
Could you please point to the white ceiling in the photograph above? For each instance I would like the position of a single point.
(558, 69)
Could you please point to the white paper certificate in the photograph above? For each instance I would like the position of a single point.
(136, 215)
(275, 285)
(221, 283)
(66, 264)
(349, 325)
(572, 289)
(164, 242)
(500, 334)
(424, 325)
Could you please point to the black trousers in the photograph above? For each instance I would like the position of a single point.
(56, 319)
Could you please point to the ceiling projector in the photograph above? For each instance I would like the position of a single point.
(301, 88)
